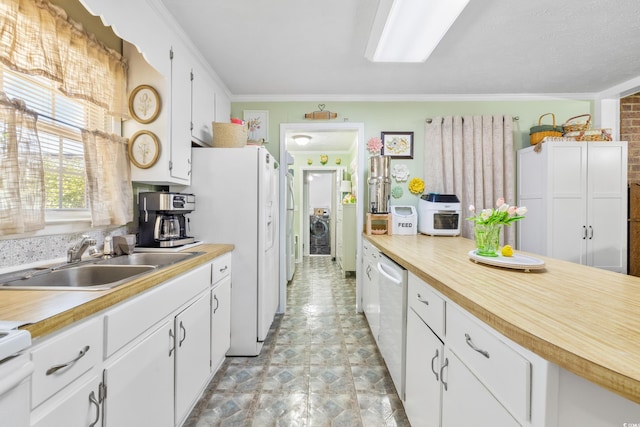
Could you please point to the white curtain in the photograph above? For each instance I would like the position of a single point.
(22, 196)
(472, 157)
(108, 178)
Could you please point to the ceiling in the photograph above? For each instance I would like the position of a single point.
(286, 50)
(293, 48)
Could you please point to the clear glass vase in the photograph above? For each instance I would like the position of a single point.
(487, 239)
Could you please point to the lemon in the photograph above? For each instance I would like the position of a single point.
(507, 250)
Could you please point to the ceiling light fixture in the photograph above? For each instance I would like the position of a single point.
(301, 139)
(409, 30)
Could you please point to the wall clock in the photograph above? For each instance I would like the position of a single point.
(144, 149)
(144, 104)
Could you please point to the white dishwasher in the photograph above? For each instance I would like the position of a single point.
(15, 373)
(393, 319)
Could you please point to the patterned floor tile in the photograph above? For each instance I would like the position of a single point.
(319, 366)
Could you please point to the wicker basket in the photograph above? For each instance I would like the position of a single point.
(537, 133)
(591, 135)
(577, 126)
(229, 135)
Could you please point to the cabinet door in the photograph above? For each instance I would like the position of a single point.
(607, 206)
(141, 394)
(465, 401)
(180, 166)
(203, 109)
(220, 322)
(423, 387)
(567, 208)
(80, 408)
(193, 337)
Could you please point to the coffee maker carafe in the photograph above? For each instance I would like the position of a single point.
(162, 219)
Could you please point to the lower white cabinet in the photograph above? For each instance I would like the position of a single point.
(370, 288)
(156, 361)
(465, 400)
(140, 383)
(220, 321)
(192, 356)
(79, 408)
(422, 385)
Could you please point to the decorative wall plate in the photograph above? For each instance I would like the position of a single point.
(144, 149)
(144, 104)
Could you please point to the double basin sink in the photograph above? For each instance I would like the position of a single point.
(93, 274)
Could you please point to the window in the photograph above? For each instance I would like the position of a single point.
(59, 122)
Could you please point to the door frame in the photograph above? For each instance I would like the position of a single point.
(358, 127)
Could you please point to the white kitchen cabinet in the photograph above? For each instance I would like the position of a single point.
(370, 284)
(203, 109)
(140, 383)
(465, 400)
(346, 237)
(576, 196)
(78, 408)
(192, 355)
(220, 322)
(422, 387)
(180, 127)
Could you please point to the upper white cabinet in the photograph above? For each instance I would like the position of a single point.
(191, 94)
(576, 195)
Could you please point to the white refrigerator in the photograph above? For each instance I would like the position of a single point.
(236, 193)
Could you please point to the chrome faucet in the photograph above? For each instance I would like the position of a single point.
(74, 254)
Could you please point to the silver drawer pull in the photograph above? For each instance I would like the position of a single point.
(222, 270)
(435, 357)
(56, 368)
(444, 365)
(424, 301)
(470, 343)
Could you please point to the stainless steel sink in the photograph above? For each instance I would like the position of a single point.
(81, 277)
(93, 274)
(158, 259)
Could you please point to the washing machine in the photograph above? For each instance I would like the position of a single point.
(319, 235)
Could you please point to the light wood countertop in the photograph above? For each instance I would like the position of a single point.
(47, 311)
(584, 319)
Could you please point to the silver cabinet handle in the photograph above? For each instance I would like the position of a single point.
(590, 232)
(369, 272)
(444, 365)
(172, 337)
(215, 298)
(222, 270)
(184, 334)
(435, 357)
(56, 368)
(424, 301)
(470, 343)
(584, 232)
(94, 401)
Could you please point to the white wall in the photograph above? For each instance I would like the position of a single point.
(320, 191)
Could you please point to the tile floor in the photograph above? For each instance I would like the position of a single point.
(319, 365)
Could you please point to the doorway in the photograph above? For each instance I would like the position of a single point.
(287, 130)
(319, 211)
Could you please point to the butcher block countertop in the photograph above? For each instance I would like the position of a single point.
(44, 312)
(584, 319)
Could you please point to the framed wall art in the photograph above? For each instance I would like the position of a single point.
(398, 145)
(144, 104)
(258, 124)
(144, 149)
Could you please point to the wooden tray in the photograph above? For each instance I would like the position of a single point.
(516, 262)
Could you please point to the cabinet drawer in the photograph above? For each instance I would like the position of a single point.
(427, 304)
(62, 358)
(221, 267)
(133, 317)
(500, 368)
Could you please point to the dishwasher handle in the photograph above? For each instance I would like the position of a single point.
(389, 273)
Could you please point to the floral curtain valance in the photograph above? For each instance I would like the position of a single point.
(38, 38)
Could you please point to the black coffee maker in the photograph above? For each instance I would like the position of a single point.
(162, 219)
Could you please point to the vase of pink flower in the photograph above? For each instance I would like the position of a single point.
(488, 224)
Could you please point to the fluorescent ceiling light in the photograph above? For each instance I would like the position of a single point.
(301, 139)
(409, 30)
